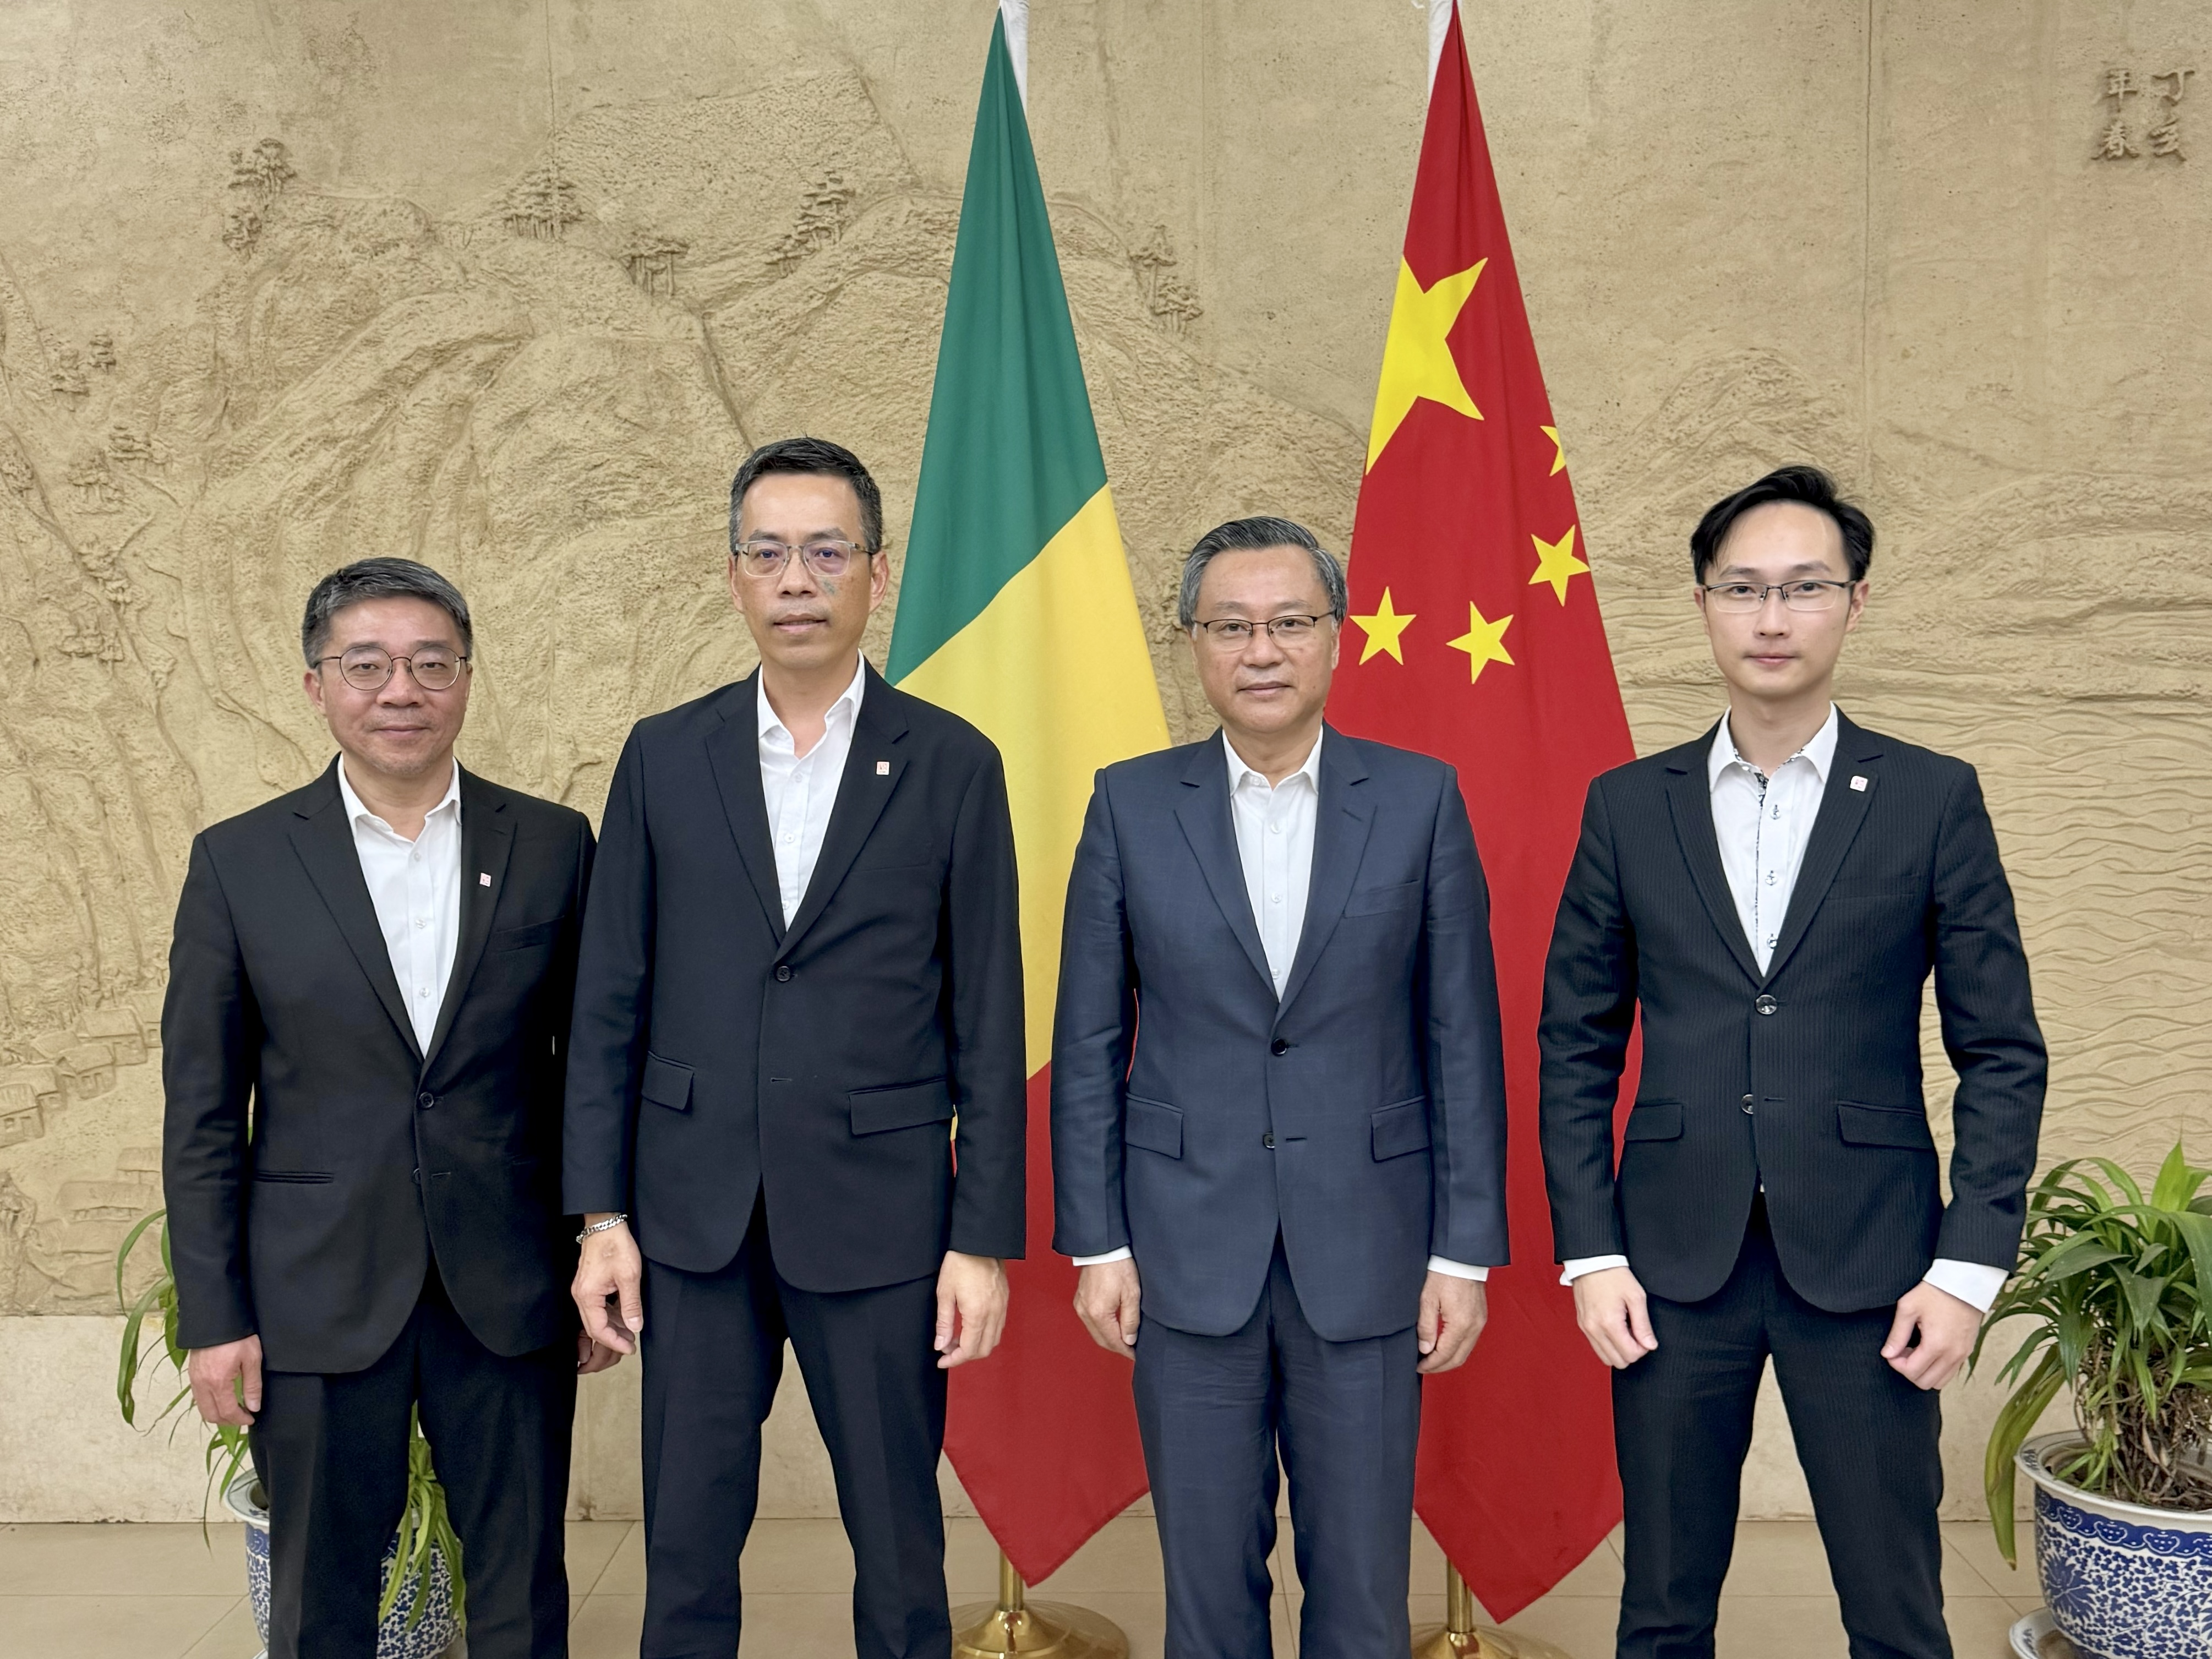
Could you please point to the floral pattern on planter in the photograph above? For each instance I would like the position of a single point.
(2121, 1589)
(431, 1634)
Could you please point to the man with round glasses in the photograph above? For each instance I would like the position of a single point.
(361, 1050)
(1773, 898)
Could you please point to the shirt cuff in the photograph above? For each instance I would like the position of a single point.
(1456, 1269)
(1576, 1267)
(1974, 1283)
(1121, 1254)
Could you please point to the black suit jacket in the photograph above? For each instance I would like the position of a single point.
(718, 1053)
(1806, 1078)
(365, 1157)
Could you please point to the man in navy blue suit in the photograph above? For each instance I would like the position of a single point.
(1278, 1111)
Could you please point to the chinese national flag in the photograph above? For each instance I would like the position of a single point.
(1478, 639)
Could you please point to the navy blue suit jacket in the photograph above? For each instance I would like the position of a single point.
(1194, 1117)
(1805, 1077)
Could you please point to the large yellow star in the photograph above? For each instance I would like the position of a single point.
(1484, 643)
(1557, 563)
(1382, 629)
(1417, 362)
(1559, 451)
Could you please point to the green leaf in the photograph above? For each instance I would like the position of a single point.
(2144, 1295)
(2079, 1254)
(2176, 1181)
(2007, 1435)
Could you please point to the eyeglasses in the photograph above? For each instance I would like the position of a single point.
(825, 556)
(367, 668)
(1230, 633)
(1742, 598)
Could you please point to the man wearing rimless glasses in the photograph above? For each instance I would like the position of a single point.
(1773, 898)
(361, 1050)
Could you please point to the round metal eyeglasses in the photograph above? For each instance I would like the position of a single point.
(1743, 598)
(367, 669)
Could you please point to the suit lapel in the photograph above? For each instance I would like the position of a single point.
(487, 838)
(324, 841)
(1843, 808)
(1342, 818)
(1203, 811)
(873, 767)
(1690, 802)
(733, 756)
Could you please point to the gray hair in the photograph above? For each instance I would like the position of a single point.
(379, 578)
(1250, 536)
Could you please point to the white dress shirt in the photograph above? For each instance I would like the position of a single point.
(1763, 824)
(801, 789)
(416, 886)
(1274, 826)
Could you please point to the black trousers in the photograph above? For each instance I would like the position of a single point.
(330, 1451)
(713, 1355)
(1866, 1438)
(1212, 1410)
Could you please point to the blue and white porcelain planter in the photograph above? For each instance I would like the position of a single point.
(431, 1634)
(2122, 1582)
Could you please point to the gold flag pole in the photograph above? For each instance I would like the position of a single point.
(1045, 1630)
(1460, 1637)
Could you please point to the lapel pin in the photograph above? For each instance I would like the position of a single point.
(883, 769)
(483, 877)
(1859, 784)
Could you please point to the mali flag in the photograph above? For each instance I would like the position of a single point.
(1016, 612)
(1480, 641)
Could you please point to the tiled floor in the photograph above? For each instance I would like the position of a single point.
(163, 1592)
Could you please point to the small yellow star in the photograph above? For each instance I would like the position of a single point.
(1559, 451)
(1484, 643)
(1557, 563)
(1383, 629)
(1417, 359)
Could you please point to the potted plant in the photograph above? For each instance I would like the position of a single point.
(2120, 1287)
(422, 1609)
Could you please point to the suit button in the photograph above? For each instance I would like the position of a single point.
(1766, 1005)
(1279, 1047)
(783, 973)
(1268, 1140)
(426, 1100)
(1747, 1106)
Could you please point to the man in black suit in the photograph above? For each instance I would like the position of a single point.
(368, 996)
(1278, 1111)
(1774, 897)
(801, 966)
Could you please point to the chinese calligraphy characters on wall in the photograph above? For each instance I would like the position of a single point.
(2152, 128)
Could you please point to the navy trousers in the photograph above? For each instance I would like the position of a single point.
(1213, 1410)
(1866, 1438)
(714, 1356)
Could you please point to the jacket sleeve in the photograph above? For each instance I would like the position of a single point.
(210, 1045)
(1094, 1026)
(613, 997)
(989, 1059)
(1989, 1032)
(1589, 1011)
(1465, 1049)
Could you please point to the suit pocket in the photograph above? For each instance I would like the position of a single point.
(1153, 1125)
(294, 1177)
(521, 938)
(1399, 1128)
(1658, 1120)
(666, 1083)
(900, 1106)
(1382, 901)
(1884, 1126)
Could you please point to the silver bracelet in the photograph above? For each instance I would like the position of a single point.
(600, 1226)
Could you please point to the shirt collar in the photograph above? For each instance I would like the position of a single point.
(1238, 771)
(355, 811)
(1820, 750)
(848, 700)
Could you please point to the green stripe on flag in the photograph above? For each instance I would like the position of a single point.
(1011, 454)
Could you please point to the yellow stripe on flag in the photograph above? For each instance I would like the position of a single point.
(1055, 672)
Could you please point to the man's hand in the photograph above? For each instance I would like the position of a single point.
(1610, 1308)
(1106, 1297)
(593, 1358)
(1454, 1310)
(971, 1308)
(1946, 1327)
(610, 1270)
(227, 1382)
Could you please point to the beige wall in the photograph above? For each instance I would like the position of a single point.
(1867, 233)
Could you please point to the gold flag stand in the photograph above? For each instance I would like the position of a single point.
(1049, 1629)
(1460, 1637)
